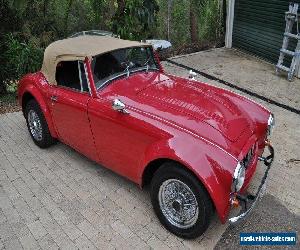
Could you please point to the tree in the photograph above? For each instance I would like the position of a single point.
(195, 9)
(69, 6)
(170, 2)
(134, 19)
(7, 17)
(193, 22)
(100, 10)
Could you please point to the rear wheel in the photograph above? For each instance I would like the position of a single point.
(180, 201)
(37, 125)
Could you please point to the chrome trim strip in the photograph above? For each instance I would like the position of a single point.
(79, 73)
(87, 78)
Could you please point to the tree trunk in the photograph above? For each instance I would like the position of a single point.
(118, 18)
(45, 5)
(68, 10)
(224, 8)
(169, 19)
(193, 23)
(121, 8)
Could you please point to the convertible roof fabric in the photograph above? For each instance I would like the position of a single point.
(78, 48)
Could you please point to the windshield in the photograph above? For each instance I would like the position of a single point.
(121, 62)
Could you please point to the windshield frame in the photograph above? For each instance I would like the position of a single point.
(130, 70)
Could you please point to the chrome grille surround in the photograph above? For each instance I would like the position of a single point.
(249, 156)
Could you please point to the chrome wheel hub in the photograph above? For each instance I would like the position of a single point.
(35, 126)
(178, 203)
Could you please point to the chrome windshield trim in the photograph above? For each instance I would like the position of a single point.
(111, 79)
(124, 74)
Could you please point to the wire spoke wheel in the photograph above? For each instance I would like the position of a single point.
(35, 125)
(178, 203)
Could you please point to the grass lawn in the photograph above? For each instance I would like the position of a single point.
(8, 103)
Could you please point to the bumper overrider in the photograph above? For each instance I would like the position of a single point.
(249, 201)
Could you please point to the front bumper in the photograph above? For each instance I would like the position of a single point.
(254, 198)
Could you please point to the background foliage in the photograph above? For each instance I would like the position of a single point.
(27, 27)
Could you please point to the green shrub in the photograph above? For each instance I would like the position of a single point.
(19, 58)
(209, 20)
(22, 57)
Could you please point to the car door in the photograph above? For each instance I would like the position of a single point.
(121, 139)
(68, 103)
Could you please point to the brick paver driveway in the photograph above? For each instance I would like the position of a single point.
(57, 198)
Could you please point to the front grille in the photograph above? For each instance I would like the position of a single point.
(248, 158)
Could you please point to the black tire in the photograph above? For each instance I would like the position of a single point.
(172, 170)
(46, 139)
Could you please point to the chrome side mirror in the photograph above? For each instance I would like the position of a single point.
(119, 106)
(192, 75)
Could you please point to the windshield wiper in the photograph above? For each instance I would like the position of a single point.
(147, 63)
(127, 70)
(128, 66)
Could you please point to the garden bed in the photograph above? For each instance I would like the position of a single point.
(8, 103)
(187, 49)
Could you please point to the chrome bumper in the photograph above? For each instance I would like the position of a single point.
(254, 198)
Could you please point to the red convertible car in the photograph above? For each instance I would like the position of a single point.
(196, 145)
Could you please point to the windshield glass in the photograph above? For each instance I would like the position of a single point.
(121, 62)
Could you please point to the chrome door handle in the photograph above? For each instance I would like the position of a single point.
(118, 105)
(53, 98)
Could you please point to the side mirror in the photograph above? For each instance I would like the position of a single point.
(119, 106)
(192, 75)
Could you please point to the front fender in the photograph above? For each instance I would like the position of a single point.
(29, 86)
(212, 166)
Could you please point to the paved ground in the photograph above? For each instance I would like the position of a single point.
(56, 198)
(263, 219)
(245, 70)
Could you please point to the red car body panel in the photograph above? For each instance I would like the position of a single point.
(70, 113)
(205, 128)
(37, 86)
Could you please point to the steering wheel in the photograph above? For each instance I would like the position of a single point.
(127, 65)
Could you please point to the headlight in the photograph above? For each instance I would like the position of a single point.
(238, 178)
(271, 124)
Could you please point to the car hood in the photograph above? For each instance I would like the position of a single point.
(190, 103)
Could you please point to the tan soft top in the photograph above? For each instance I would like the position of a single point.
(78, 48)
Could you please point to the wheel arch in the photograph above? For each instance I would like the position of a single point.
(151, 168)
(27, 96)
(155, 164)
(32, 93)
(201, 166)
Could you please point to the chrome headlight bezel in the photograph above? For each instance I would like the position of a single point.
(271, 124)
(238, 178)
